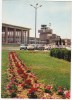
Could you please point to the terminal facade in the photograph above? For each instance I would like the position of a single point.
(14, 34)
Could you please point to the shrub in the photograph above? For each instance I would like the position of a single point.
(61, 53)
(66, 54)
(69, 55)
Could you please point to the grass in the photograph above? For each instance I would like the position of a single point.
(49, 70)
(4, 73)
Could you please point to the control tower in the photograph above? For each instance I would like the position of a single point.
(46, 34)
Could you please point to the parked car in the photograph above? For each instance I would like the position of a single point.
(23, 47)
(48, 48)
(40, 47)
(30, 47)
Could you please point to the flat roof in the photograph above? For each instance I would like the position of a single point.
(15, 26)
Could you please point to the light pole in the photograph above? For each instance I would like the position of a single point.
(36, 7)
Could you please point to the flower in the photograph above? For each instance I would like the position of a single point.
(48, 89)
(8, 86)
(67, 94)
(47, 96)
(32, 90)
(10, 91)
(22, 85)
(28, 81)
(36, 85)
(20, 71)
(60, 90)
(25, 75)
(60, 87)
(30, 75)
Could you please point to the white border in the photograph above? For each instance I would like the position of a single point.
(1, 42)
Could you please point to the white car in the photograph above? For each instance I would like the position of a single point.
(30, 47)
(23, 47)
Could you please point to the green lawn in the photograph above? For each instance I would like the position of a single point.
(4, 78)
(49, 70)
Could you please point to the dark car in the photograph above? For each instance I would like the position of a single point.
(40, 47)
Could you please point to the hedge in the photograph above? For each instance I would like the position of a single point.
(61, 53)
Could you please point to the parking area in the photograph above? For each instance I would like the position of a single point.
(31, 47)
(18, 48)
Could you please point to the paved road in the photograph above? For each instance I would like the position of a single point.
(17, 48)
(10, 48)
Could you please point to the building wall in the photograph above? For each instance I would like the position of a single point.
(67, 42)
(14, 34)
(38, 41)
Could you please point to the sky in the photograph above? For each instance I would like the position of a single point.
(58, 13)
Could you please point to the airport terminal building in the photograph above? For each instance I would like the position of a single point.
(14, 34)
(46, 34)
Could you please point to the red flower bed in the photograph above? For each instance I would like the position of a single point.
(32, 90)
(67, 94)
(25, 75)
(22, 78)
(28, 81)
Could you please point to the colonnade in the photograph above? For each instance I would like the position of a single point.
(15, 35)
